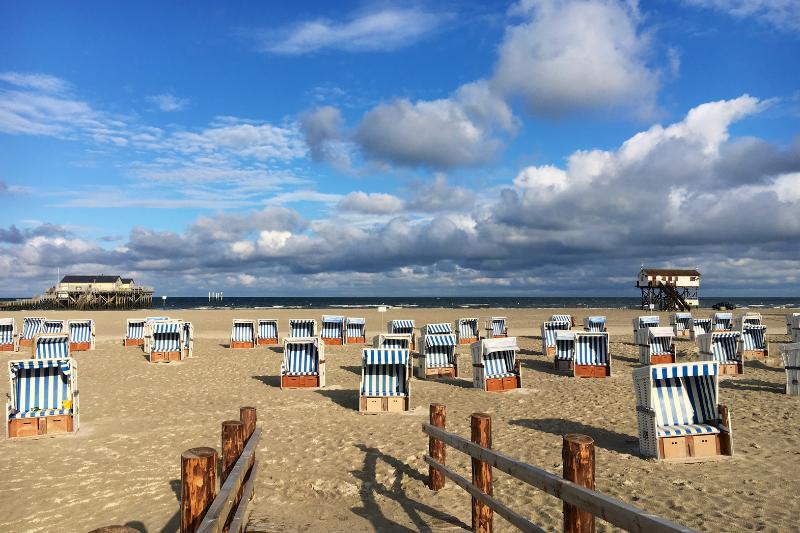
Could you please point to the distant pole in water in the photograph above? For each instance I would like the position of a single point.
(163, 302)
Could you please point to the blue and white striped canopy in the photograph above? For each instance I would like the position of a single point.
(702, 325)
(591, 349)
(498, 325)
(40, 387)
(31, 326)
(385, 379)
(402, 326)
(167, 337)
(332, 327)
(722, 320)
(7, 332)
(166, 327)
(440, 340)
(724, 347)
(356, 320)
(243, 332)
(468, 328)
(395, 343)
(54, 346)
(268, 329)
(302, 327)
(54, 326)
(595, 323)
(80, 331)
(356, 327)
(384, 356)
(683, 321)
(332, 319)
(660, 340)
(561, 318)
(550, 329)
(564, 342)
(438, 329)
(301, 358)
(681, 401)
(136, 329)
(648, 321)
(500, 364)
(754, 337)
(681, 370)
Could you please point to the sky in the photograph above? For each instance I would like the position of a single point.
(531, 148)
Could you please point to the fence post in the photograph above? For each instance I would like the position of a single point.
(232, 445)
(436, 448)
(198, 485)
(248, 416)
(482, 515)
(577, 454)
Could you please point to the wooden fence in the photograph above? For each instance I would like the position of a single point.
(576, 489)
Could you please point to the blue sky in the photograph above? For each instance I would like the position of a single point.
(540, 147)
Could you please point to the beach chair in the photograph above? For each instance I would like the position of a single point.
(564, 350)
(43, 397)
(441, 328)
(594, 323)
(385, 380)
(51, 346)
(31, 326)
(790, 354)
(659, 349)
(54, 326)
(437, 356)
(403, 327)
(754, 343)
(563, 318)
(495, 367)
(302, 327)
(167, 344)
(188, 339)
(81, 335)
(678, 412)
(398, 341)
(148, 331)
(549, 331)
(496, 327)
(592, 359)
(640, 325)
(722, 322)
(303, 365)
(747, 319)
(356, 330)
(268, 332)
(699, 327)
(467, 329)
(723, 348)
(789, 319)
(243, 334)
(134, 335)
(333, 332)
(8, 335)
(681, 324)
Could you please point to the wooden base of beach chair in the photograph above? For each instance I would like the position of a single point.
(235, 345)
(299, 382)
(356, 340)
(32, 427)
(467, 340)
(662, 359)
(694, 447)
(332, 342)
(731, 369)
(503, 384)
(164, 357)
(80, 346)
(441, 372)
(549, 351)
(562, 364)
(134, 342)
(754, 354)
(592, 371)
(377, 404)
(682, 333)
(6, 347)
(26, 342)
(268, 342)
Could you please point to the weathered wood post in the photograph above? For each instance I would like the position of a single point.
(198, 485)
(232, 446)
(436, 448)
(577, 454)
(482, 515)
(248, 417)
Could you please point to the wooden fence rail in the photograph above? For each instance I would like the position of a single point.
(578, 455)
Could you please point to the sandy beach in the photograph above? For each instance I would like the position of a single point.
(327, 467)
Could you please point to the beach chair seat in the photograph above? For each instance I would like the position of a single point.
(51, 346)
(495, 367)
(722, 347)
(31, 326)
(303, 365)
(678, 414)
(43, 397)
(385, 380)
(403, 327)
(790, 355)
(754, 342)
(659, 348)
(681, 324)
(267, 332)
(592, 359)
(8, 335)
(81, 335)
(550, 330)
(594, 323)
(243, 334)
(356, 330)
(333, 332)
(134, 335)
(302, 327)
(437, 357)
(467, 330)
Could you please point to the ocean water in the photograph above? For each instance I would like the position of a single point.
(472, 302)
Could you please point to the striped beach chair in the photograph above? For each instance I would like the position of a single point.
(167, 345)
(563, 318)
(700, 326)
(303, 365)
(722, 347)
(550, 330)
(148, 331)
(659, 349)
(790, 355)
(441, 328)
(54, 326)
(754, 343)
(681, 324)
(302, 327)
(333, 330)
(678, 412)
(356, 330)
(592, 358)
(8, 335)
(385, 381)
(81, 334)
(134, 332)
(722, 322)
(467, 329)
(496, 327)
(594, 323)
(31, 326)
(396, 341)
(268, 331)
(747, 319)
(188, 339)
(43, 397)
(403, 327)
(437, 356)
(564, 349)
(495, 367)
(789, 319)
(51, 346)
(640, 324)
(243, 333)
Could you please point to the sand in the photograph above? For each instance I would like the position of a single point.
(327, 467)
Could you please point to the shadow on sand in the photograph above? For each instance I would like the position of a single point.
(604, 438)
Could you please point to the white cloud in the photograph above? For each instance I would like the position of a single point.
(385, 29)
(371, 203)
(782, 14)
(168, 103)
(41, 82)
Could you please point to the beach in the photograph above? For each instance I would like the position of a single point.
(325, 466)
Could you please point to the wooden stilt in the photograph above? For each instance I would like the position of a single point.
(577, 454)
(482, 514)
(198, 485)
(436, 448)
